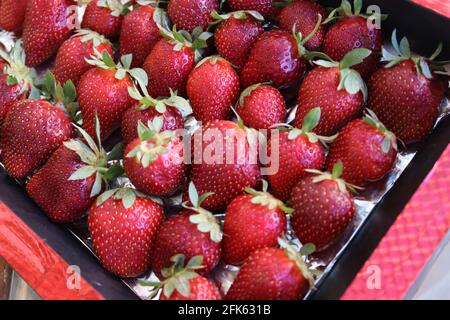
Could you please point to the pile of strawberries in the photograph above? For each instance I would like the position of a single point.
(136, 70)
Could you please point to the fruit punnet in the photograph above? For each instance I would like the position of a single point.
(70, 63)
(406, 93)
(154, 161)
(191, 14)
(123, 225)
(366, 148)
(192, 232)
(105, 17)
(182, 282)
(323, 207)
(336, 88)
(12, 15)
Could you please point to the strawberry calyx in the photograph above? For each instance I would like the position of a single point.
(152, 3)
(302, 40)
(117, 7)
(346, 10)
(264, 198)
(206, 222)
(177, 277)
(153, 142)
(240, 15)
(126, 195)
(335, 176)
(88, 35)
(389, 141)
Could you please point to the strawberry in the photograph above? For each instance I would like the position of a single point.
(70, 61)
(337, 89)
(147, 108)
(252, 221)
(405, 94)
(261, 106)
(352, 31)
(192, 232)
(45, 28)
(16, 79)
(183, 282)
(367, 150)
(154, 161)
(271, 274)
(140, 33)
(105, 17)
(67, 185)
(123, 225)
(171, 60)
(298, 150)
(264, 7)
(323, 207)
(212, 87)
(190, 14)
(104, 91)
(303, 15)
(236, 34)
(223, 162)
(12, 15)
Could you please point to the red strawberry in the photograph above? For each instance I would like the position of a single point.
(104, 91)
(183, 282)
(261, 106)
(12, 14)
(45, 28)
(405, 100)
(271, 274)
(236, 34)
(70, 61)
(223, 163)
(169, 63)
(66, 186)
(352, 31)
(296, 151)
(323, 207)
(192, 232)
(190, 14)
(16, 79)
(140, 33)
(212, 87)
(104, 17)
(154, 161)
(367, 150)
(147, 108)
(123, 225)
(31, 131)
(264, 7)
(339, 91)
(303, 15)
(252, 222)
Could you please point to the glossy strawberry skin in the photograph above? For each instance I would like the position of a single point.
(63, 200)
(265, 7)
(99, 19)
(352, 33)
(45, 28)
(227, 178)
(163, 176)
(99, 91)
(235, 37)
(70, 63)
(31, 131)
(168, 69)
(321, 211)
(295, 156)
(263, 108)
(359, 147)
(178, 235)
(12, 15)
(338, 107)
(248, 227)
(268, 274)
(10, 94)
(172, 120)
(212, 88)
(139, 34)
(274, 57)
(405, 102)
(304, 15)
(201, 289)
(189, 14)
(123, 238)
